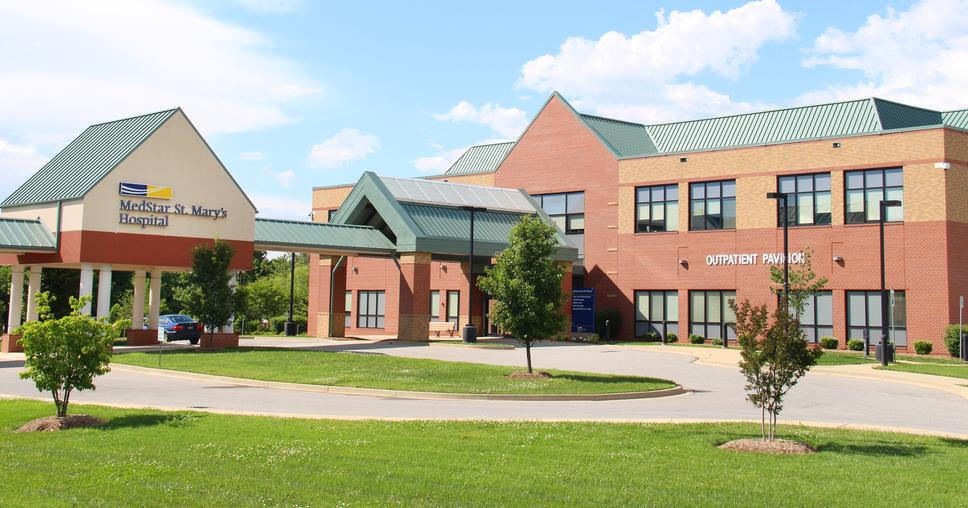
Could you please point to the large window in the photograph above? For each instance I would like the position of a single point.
(712, 205)
(864, 313)
(371, 308)
(865, 190)
(656, 311)
(808, 199)
(453, 306)
(435, 305)
(710, 315)
(657, 208)
(567, 210)
(348, 309)
(818, 316)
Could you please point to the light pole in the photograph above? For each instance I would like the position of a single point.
(782, 196)
(885, 342)
(469, 333)
(290, 324)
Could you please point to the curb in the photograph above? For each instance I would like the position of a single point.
(400, 394)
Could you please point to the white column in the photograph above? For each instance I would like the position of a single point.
(33, 287)
(154, 300)
(138, 305)
(16, 296)
(87, 286)
(104, 292)
(230, 327)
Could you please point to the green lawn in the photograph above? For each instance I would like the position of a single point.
(150, 458)
(840, 358)
(387, 372)
(958, 371)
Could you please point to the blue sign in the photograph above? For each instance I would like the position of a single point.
(583, 310)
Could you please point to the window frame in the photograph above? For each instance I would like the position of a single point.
(568, 216)
(722, 200)
(434, 309)
(884, 188)
(730, 333)
(875, 331)
(783, 205)
(456, 317)
(363, 316)
(812, 330)
(666, 202)
(663, 327)
(348, 309)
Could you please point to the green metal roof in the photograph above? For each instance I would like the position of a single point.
(621, 137)
(481, 159)
(958, 119)
(25, 235)
(86, 160)
(894, 115)
(313, 236)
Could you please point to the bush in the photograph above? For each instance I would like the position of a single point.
(651, 337)
(278, 324)
(697, 339)
(855, 345)
(922, 347)
(121, 327)
(951, 339)
(608, 315)
(671, 338)
(829, 342)
(717, 342)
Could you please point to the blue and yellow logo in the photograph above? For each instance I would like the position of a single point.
(141, 190)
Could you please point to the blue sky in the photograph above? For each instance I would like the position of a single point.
(293, 94)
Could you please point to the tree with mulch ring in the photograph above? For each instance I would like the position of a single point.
(63, 355)
(775, 447)
(525, 284)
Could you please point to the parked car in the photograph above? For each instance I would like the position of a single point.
(178, 327)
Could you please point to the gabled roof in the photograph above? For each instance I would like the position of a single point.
(76, 169)
(481, 159)
(25, 235)
(290, 235)
(958, 119)
(427, 216)
(622, 137)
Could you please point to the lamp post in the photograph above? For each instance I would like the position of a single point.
(782, 196)
(290, 324)
(469, 333)
(885, 341)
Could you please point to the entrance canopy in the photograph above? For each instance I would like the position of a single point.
(20, 236)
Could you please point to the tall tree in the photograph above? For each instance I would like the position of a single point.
(525, 283)
(209, 295)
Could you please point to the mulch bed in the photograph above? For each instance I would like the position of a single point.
(529, 375)
(53, 423)
(775, 447)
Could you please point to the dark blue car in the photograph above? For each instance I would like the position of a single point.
(178, 327)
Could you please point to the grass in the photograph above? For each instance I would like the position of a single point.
(830, 358)
(845, 358)
(387, 372)
(151, 458)
(956, 371)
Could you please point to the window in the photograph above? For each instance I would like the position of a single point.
(435, 305)
(330, 214)
(808, 199)
(864, 313)
(567, 211)
(712, 205)
(348, 309)
(657, 208)
(865, 190)
(453, 306)
(656, 311)
(371, 309)
(709, 314)
(818, 316)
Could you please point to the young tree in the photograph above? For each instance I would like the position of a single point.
(65, 354)
(525, 283)
(804, 283)
(210, 296)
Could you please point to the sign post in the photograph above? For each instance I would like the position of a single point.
(961, 335)
(583, 310)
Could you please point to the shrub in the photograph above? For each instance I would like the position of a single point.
(829, 342)
(922, 347)
(651, 337)
(855, 345)
(671, 338)
(608, 315)
(278, 324)
(121, 327)
(717, 342)
(697, 339)
(951, 339)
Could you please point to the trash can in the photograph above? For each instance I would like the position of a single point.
(880, 351)
(290, 328)
(964, 347)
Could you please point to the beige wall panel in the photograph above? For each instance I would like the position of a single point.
(71, 216)
(175, 156)
(329, 198)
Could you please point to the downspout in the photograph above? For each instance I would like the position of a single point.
(57, 234)
(332, 279)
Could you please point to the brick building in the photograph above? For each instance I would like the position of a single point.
(672, 220)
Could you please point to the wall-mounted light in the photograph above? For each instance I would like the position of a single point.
(683, 159)
(942, 165)
(684, 263)
(839, 259)
(836, 144)
(356, 270)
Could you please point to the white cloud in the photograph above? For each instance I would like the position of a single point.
(271, 6)
(17, 163)
(438, 162)
(285, 178)
(346, 145)
(281, 207)
(68, 64)
(645, 76)
(916, 56)
(252, 156)
(507, 122)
